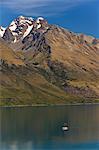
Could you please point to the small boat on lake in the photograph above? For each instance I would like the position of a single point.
(65, 127)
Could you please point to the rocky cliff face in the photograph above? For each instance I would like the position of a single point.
(42, 56)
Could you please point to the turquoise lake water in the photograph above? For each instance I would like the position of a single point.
(40, 128)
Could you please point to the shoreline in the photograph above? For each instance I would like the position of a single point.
(49, 105)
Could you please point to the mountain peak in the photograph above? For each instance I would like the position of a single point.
(22, 26)
(21, 17)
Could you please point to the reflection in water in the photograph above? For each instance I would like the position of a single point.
(40, 128)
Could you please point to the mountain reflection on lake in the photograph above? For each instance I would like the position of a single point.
(40, 128)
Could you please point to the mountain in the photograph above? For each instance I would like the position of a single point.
(47, 64)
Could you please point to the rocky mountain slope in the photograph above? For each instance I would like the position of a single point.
(46, 64)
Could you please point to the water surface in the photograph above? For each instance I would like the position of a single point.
(40, 128)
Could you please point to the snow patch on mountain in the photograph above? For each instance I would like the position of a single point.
(28, 31)
(2, 31)
(13, 26)
(39, 19)
(15, 40)
(38, 26)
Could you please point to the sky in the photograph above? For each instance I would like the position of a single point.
(81, 16)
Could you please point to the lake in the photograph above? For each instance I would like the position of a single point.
(40, 128)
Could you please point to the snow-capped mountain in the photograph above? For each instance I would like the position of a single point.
(22, 26)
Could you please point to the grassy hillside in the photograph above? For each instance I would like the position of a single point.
(7, 54)
(27, 87)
